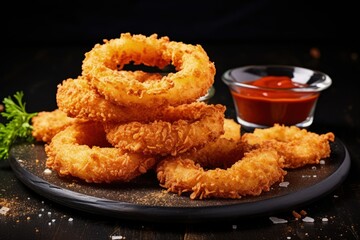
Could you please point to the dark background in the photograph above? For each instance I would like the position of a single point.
(260, 27)
(44, 44)
(260, 21)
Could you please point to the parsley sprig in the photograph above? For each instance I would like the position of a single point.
(18, 128)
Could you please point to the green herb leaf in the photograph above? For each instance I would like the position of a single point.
(18, 128)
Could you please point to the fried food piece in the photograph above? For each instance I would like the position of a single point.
(78, 99)
(193, 77)
(193, 126)
(299, 147)
(47, 124)
(224, 151)
(256, 172)
(232, 129)
(81, 150)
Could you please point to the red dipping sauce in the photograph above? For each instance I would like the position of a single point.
(275, 102)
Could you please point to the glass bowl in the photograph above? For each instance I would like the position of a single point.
(210, 93)
(267, 94)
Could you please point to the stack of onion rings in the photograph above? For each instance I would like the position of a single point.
(114, 124)
(137, 117)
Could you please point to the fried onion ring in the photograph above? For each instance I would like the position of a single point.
(76, 98)
(194, 71)
(232, 129)
(81, 150)
(298, 146)
(189, 126)
(223, 152)
(256, 172)
(47, 124)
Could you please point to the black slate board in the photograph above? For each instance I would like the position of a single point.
(143, 199)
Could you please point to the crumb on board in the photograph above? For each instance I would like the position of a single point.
(15, 208)
(296, 214)
(301, 215)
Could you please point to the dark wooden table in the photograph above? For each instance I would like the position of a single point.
(38, 70)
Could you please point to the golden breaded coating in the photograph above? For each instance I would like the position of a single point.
(81, 150)
(170, 137)
(298, 146)
(47, 124)
(193, 76)
(256, 172)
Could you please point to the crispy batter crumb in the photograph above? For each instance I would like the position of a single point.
(303, 212)
(296, 214)
(13, 208)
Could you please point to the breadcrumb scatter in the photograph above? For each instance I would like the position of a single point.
(296, 214)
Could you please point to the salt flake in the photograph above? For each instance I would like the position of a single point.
(4, 210)
(284, 184)
(308, 219)
(117, 237)
(276, 220)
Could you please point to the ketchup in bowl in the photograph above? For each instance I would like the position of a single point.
(273, 105)
(267, 94)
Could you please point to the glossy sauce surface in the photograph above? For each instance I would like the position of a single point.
(277, 104)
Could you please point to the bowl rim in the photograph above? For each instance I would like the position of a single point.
(209, 94)
(317, 86)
